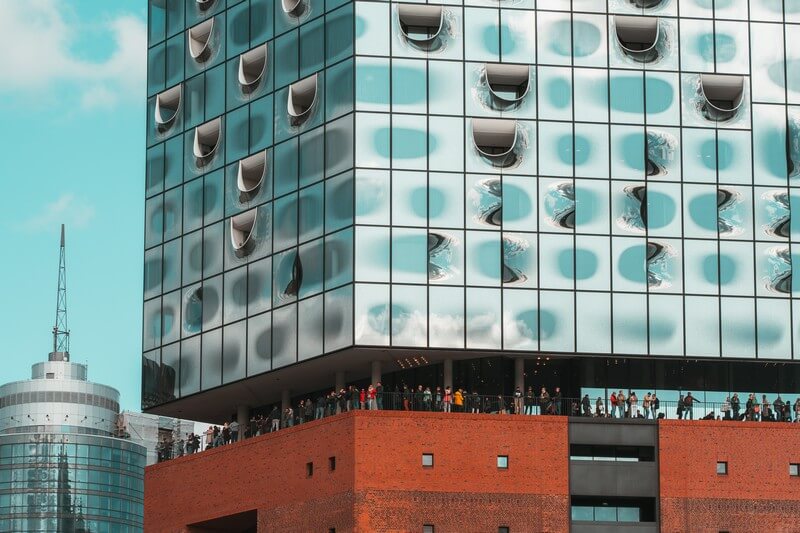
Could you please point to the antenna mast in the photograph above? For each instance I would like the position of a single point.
(60, 331)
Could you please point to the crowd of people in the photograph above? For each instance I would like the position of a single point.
(459, 400)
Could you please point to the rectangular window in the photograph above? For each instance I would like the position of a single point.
(722, 468)
(502, 461)
(309, 469)
(427, 460)
(503, 529)
(331, 463)
(331, 530)
(428, 528)
(794, 469)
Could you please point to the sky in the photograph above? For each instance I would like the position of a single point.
(72, 147)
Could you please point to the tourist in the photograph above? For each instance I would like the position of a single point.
(586, 403)
(778, 406)
(726, 408)
(517, 401)
(544, 401)
(614, 402)
(274, 419)
(458, 401)
(557, 400)
(448, 399)
(530, 401)
(379, 396)
(735, 406)
(688, 404)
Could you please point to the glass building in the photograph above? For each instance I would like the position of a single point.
(61, 469)
(584, 184)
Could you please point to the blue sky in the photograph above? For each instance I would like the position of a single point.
(72, 126)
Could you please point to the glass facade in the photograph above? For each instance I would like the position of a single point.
(52, 482)
(249, 210)
(61, 466)
(533, 176)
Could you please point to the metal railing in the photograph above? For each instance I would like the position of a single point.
(333, 405)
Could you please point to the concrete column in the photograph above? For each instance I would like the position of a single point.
(519, 373)
(448, 373)
(243, 418)
(285, 399)
(376, 373)
(339, 384)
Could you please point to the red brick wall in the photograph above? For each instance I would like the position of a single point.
(265, 473)
(464, 491)
(757, 494)
(379, 483)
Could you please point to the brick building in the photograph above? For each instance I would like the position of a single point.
(393, 471)
(586, 194)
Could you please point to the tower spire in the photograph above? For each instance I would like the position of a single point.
(60, 331)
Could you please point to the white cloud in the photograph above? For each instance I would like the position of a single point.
(38, 39)
(67, 209)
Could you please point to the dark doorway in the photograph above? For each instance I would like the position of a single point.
(246, 522)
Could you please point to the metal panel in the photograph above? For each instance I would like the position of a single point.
(613, 478)
(613, 432)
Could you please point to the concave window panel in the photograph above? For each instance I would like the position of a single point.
(200, 40)
(421, 24)
(250, 175)
(638, 36)
(495, 140)
(206, 141)
(205, 5)
(168, 105)
(301, 99)
(242, 228)
(723, 95)
(646, 4)
(252, 67)
(507, 83)
(294, 8)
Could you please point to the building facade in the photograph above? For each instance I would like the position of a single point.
(339, 191)
(61, 468)
(451, 473)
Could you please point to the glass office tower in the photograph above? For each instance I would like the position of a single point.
(61, 468)
(517, 178)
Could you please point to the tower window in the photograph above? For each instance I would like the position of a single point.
(502, 461)
(427, 460)
(722, 468)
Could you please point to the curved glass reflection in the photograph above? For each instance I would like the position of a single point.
(779, 270)
(559, 204)
(660, 265)
(516, 259)
(730, 212)
(776, 203)
(487, 199)
(661, 149)
(793, 142)
(288, 277)
(441, 251)
(634, 210)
